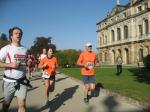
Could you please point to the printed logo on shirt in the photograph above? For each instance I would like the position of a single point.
(20, 58)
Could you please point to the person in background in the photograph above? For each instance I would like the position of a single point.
(13, 59)
(49, 65)
(119, 65)
(87, 60)
(30, 65)
(43, 55)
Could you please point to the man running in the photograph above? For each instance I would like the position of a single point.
(13, 58)
(49, 65)
(87, 61)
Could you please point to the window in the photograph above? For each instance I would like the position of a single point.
(140, 30)
(113, 35)
(145, 5)
(125, 32)
(118, 34)
(140, 55)
(105, 39)
(139, 8)
(125, 14)
(146, 26)
(101, 41)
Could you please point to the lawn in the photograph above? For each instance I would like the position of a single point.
(132, 83)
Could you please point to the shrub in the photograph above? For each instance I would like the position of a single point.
(146, 61)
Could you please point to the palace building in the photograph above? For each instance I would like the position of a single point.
(125, 31)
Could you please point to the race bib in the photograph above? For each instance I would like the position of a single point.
(20, 59)
(90, 65)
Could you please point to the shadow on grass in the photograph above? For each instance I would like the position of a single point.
(141, 75)
(60, 99)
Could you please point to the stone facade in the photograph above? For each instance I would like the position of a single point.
(125, 31)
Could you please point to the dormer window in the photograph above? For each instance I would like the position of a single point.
(125, 14)
(145, 5)
(139, 8)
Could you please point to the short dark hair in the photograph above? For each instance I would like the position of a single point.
(11, 32)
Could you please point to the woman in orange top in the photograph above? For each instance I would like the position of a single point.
(49, 65)
(87, 61)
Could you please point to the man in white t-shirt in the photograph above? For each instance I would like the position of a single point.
(13, 58)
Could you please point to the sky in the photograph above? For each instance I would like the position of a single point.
(70, 23)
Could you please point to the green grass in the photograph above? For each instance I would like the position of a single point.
(132, 82)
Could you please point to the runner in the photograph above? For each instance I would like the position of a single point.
(43, 55)
(49, 65)
(87, 60)
(13, 58)
(30, 65)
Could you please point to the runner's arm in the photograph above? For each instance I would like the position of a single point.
(80, 61)
(9, 65)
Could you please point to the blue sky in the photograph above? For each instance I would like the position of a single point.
(71, 23)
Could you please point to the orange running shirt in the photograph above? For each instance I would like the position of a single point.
(51, 65)
(85, 58)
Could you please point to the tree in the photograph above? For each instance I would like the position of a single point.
(67, 57)
(3, 40)
(40, 43)
(146, 61)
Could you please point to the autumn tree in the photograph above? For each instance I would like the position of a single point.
(68, 57)
(40, 43)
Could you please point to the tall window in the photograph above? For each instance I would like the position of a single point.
(118, 34)
(113, 35)
(139, 9)
(140, 30)
(106, 57)
(146, 26)
(126, 32)
(140, 54)
(145, 5)
(105, 39)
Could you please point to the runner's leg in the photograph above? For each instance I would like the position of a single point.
(47, 81)
(9, 91)
(21, 105)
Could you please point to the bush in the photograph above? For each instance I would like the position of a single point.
(146, 61)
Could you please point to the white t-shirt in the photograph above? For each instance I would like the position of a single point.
(11, 53)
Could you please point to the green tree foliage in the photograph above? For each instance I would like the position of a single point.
(146, 61)
(67, 57)
(40, 43)
(3, 40)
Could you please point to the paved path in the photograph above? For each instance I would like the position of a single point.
(68, 97)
